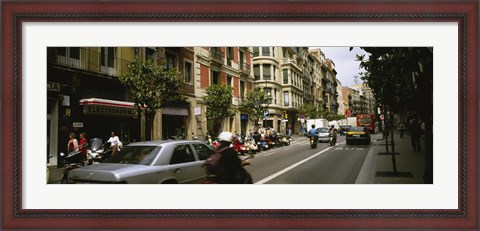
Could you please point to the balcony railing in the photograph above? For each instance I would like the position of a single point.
(217, 55)
(87, 60)
(186, 88)
(245, 67)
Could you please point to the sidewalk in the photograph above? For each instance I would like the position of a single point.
(377, 168)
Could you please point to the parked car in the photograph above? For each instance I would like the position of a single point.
(153, 162)
(344, 129)
(323, 135)
(358, 134)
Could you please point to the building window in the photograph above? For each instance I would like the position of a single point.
(274, 73)
(242, 60)
(149, 53)
(265, 51)
(187, 72)
(229, 80)
(215, 78)
(107, 57)
(69, 56)
(268, 92)
(171, 61)
(266, 72)
(242, 90)
(285, 76)
(256, 52)
(75, 52)
(275, 95)
(256, 71)
(230, 56)
(285, 98)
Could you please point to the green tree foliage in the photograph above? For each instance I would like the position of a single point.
(310, 111)
(400, 77)
(218, 99)
(151, 86)
(256, 103)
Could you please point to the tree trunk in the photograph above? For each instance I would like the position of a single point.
(394, 160)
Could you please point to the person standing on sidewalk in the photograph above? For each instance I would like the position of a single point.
(416, 132)
(401, 127)
(72, 143)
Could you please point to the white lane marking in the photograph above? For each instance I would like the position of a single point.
(269, 178)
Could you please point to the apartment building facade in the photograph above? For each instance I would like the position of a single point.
(84, 93)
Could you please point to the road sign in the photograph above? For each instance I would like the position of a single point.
(266, 113)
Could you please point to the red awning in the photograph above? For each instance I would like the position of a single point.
(107, 102)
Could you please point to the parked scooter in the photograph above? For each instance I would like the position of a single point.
(262, 144)
(72, 161)
(239, 147)
(285, 140)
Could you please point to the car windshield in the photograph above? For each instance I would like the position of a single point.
(357, 129)
(135, 155)
(322, 130)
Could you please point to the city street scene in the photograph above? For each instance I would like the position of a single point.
(239, 115)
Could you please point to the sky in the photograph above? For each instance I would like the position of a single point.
(345, 63)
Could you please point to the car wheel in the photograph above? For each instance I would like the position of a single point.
(348, 143)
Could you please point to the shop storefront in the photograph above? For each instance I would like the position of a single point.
(102, 116)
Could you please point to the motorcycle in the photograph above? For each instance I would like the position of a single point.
(262, 144)
(313, 142)
(98, 152)
(286, 140)
(72, 161)
(332, 140)
(239, 146)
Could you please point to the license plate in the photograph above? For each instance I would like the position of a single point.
(356, 135)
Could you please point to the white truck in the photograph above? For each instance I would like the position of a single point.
(352, 121)
(319, 123)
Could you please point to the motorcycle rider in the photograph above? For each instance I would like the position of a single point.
(313, 133)
(333, 133)
(229, 164)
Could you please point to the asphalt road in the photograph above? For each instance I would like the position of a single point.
(298, 163)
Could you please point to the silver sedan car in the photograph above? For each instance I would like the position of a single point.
(153, 162)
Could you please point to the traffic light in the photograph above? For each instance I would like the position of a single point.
(285, 115)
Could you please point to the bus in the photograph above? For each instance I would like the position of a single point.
(366, 120)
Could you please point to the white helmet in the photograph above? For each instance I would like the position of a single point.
(225, 136)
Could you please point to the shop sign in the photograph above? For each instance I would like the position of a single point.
(77, 124)
(108, 111)
(175, 111)
(53, 86)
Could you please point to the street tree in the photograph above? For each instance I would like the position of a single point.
(152, 87)
(256, 103)
(218, 100)
(401, 77)
(310, 111)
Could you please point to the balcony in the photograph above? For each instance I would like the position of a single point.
(88, 60)
(245, 68)
(187, 89)
(217, 55)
